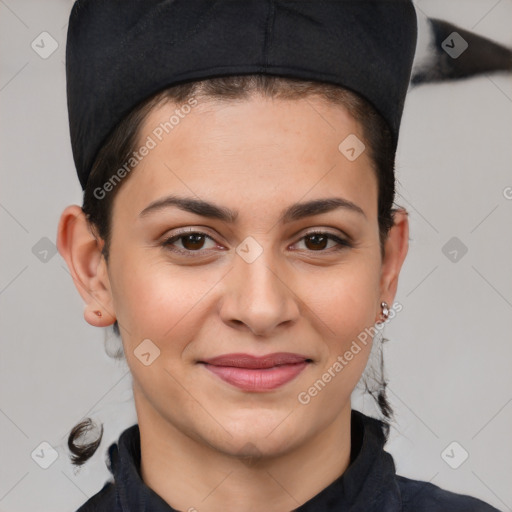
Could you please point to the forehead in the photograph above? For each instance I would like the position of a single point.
(257, 149)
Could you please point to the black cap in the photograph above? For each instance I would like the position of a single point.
(120, 52)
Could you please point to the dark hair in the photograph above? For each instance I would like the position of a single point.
(122, 142)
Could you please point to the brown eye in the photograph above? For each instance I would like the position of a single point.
(191, 241)
(317, 241)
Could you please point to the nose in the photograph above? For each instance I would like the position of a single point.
(259, 296)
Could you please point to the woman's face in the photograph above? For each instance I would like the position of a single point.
(256, 284)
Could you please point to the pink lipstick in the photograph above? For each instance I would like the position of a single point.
(257, 374)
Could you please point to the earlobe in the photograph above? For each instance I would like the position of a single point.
(97, 315)
(395, 251)
(82, 253)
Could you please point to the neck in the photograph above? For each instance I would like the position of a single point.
(190, 475)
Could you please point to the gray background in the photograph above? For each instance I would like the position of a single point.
(450, 350)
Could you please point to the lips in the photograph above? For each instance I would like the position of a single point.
(257, 374)
(262, 362)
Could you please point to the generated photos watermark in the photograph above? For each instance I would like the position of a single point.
(304, 397)
(152, 141)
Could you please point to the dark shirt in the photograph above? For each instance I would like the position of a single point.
(369, 484)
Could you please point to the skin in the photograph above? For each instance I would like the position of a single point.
(256, 156)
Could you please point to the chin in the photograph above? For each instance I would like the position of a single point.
(262, 433)
(250, 449)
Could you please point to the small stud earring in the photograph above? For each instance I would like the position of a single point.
(98, 313)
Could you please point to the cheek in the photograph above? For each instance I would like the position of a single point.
(346, 306)
(345, 298)
(157, 300)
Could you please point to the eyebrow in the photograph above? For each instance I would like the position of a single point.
(210, 210)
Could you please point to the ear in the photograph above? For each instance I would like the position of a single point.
(395, 251)
(82, 252)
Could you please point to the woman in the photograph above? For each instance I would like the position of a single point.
(238, 232)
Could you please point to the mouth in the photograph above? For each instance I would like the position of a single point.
(256, 362)
(257, 374)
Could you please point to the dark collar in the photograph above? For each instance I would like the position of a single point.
(367, 485)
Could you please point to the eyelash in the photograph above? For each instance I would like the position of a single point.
(342, 244)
